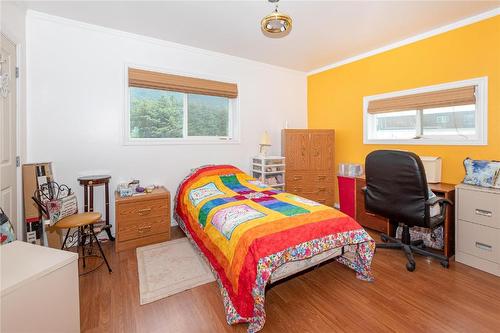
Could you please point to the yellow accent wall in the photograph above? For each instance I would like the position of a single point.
(335, 96)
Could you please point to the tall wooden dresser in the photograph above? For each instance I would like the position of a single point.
(310, 163)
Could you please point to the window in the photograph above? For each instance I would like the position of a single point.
(446, 114)
(166, 108)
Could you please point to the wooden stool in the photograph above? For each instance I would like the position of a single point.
(88, 183)
(84, 222)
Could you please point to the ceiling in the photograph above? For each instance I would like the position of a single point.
(323, 32)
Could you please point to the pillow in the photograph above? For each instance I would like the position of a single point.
(61, 208)
(435, 209)
(6, 231)
(482, 173)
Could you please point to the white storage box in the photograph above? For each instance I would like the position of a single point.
(432, 167)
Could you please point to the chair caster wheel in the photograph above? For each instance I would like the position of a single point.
(383, 238)
(445, 264)
(410, 266)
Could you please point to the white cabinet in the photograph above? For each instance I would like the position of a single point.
(39, 289)
(269, 170)
(478, 227)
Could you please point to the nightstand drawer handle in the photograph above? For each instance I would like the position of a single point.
(297, 177)
(483, 246)
(483, 212)
(144, 211)
(144, 229)
(321, 177)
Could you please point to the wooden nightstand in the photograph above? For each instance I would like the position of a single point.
(142, 219)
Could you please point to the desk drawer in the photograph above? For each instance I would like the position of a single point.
(479, 241)
(372, 221)
(479, 207)
(143, 209)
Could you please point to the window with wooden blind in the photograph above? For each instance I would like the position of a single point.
(171, 108)
(446, 114)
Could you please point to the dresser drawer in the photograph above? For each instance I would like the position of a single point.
(304, 178)
(130, 224)
(143, 227)
(479, 207)
(325, 190)
(479, 241)
(323, 199)
(137, 210)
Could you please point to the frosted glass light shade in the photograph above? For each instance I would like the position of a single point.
(265, 140)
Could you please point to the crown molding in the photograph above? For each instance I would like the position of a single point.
(410, 40)
(145, 39)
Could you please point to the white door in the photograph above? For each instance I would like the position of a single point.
(8, 190)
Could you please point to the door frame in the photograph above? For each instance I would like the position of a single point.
(20, 225)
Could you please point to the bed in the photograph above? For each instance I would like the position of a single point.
(251, 235)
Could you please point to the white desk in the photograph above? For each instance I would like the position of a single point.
(39, 289)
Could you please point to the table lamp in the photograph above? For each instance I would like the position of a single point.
(265, 143)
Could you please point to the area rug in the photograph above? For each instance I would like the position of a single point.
(168, 268)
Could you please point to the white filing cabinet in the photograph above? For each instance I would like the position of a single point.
(39, 289)
(477, 235)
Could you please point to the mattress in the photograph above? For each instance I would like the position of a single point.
(294, 267)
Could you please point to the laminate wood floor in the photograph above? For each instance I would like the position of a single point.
(327, 299)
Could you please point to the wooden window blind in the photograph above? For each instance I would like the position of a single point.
(153, 80)
(428, 100)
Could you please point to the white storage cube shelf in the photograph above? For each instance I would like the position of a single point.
(270, 170)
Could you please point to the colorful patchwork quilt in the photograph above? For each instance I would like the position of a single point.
(246, 230)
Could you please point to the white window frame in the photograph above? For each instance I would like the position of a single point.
(233, 119)
(481, 138)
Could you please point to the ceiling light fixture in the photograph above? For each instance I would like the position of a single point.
(276, 24)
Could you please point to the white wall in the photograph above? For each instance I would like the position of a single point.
(76, 103)
(13, 19)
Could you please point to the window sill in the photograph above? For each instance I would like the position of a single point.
(154, 142)
(427, 142)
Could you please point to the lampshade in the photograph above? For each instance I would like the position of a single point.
(265, 140)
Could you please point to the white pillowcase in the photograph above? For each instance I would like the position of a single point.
(435, 209)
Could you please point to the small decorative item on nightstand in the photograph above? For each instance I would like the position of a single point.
(269, 170)
(142, 220)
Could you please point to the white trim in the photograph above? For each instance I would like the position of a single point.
(20, 225)
(481, 119)
(410, 40)
(120, 33)
(233, 119)
(142, 38)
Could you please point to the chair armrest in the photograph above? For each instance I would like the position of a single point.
(441, 201)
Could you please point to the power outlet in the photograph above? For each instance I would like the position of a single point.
(31, 237)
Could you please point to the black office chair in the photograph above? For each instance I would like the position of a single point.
(396, 188)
